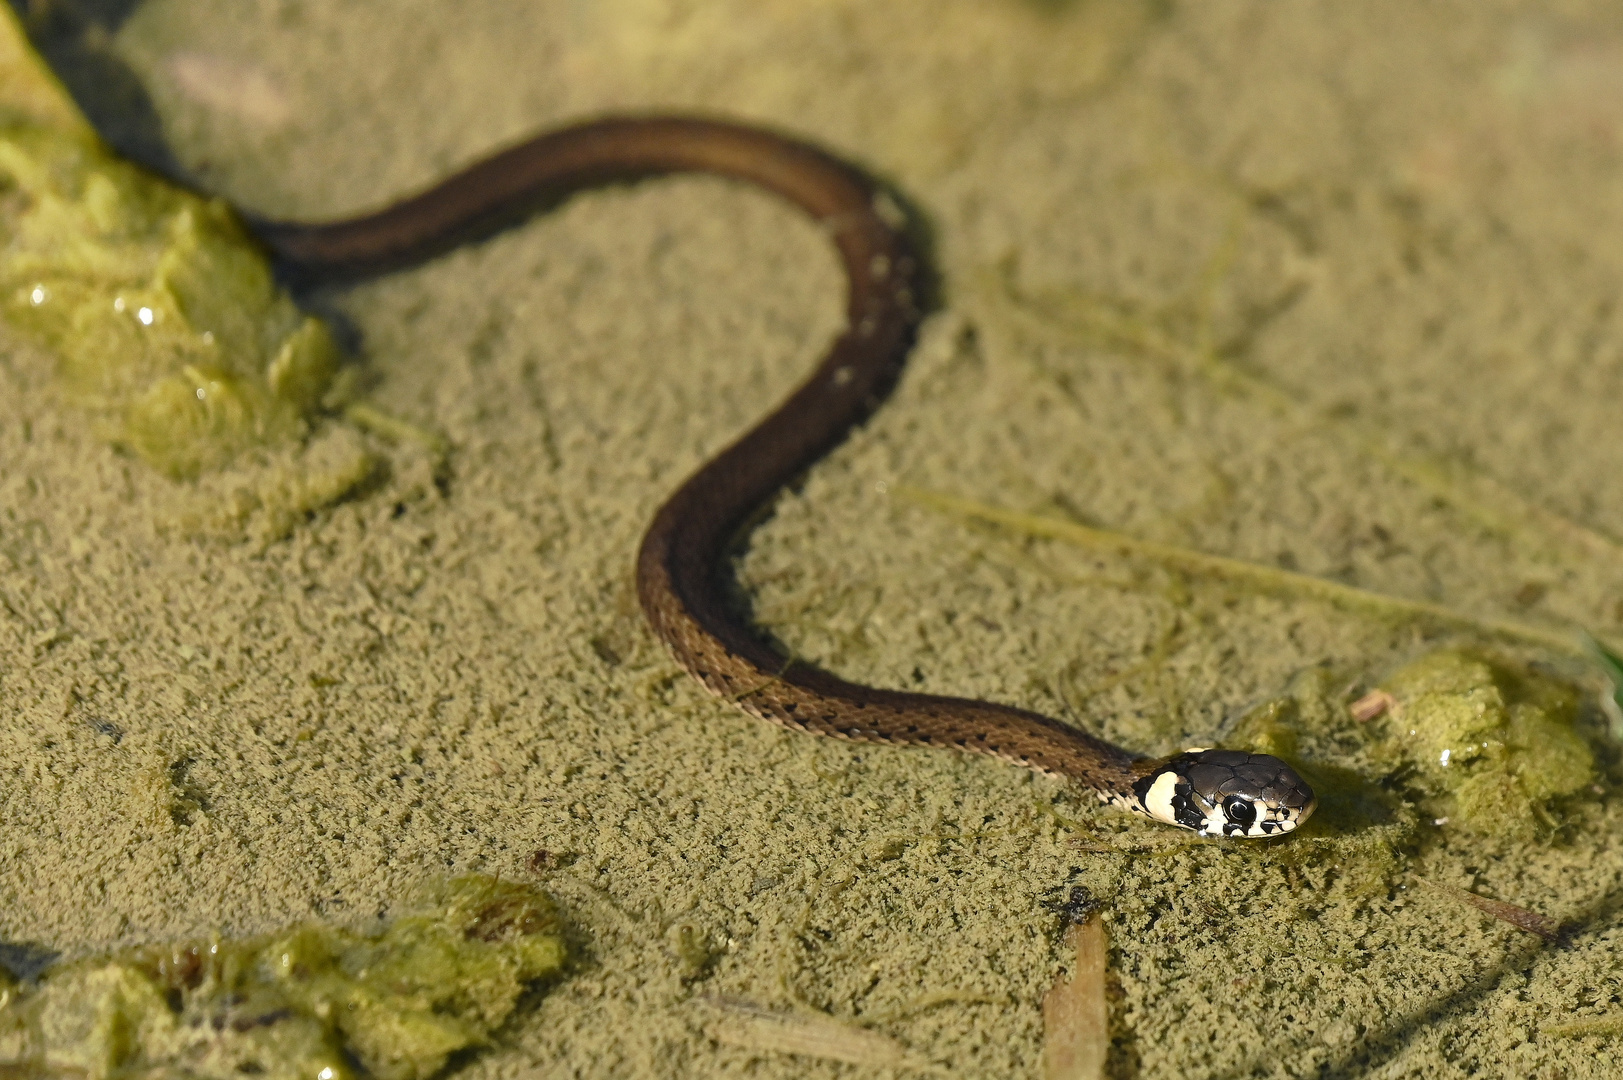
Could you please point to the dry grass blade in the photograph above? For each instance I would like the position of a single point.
(1522, 919)
(750, 1026)
(1076, 1013)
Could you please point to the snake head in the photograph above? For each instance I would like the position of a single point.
(1225, 793)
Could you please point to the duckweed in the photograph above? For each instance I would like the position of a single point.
(311, 1003)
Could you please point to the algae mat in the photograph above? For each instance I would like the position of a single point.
(1325, 288)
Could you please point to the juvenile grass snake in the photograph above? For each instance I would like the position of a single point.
(683, 558)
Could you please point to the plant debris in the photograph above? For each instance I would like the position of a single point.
(309, 1003)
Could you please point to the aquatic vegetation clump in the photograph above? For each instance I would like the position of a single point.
(161, 311)
(1491, 745)
(312, 1003)
(168, 329)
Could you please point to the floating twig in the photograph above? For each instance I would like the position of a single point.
(393, 429)
(1374, 704)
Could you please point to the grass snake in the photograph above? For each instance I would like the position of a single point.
(682, 563)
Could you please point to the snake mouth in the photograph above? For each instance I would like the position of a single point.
(1228, 793)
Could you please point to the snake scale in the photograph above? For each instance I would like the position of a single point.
(682, 563)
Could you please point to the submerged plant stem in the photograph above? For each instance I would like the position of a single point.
(1480, 497)
(1577, 1029)
(1254, 575)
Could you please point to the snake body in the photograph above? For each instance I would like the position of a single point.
(682, 562)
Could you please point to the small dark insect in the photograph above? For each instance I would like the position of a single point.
(1077, 905)
(265, 1019)
(107, 728)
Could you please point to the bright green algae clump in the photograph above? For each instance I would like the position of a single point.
(1491, 744)
(160, 309)
(312, 1003)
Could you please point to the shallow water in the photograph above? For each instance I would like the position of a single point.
(1322, 287)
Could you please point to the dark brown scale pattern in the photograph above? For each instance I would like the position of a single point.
(682, 558)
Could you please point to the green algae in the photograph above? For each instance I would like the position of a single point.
(160, 310)
(1469, 739)
(168, 329)
(313, 1002)
(1489, 745)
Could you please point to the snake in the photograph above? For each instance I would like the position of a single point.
(682, 566)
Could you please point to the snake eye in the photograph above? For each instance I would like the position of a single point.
(1240, 811)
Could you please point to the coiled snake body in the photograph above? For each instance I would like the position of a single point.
(681, 562)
